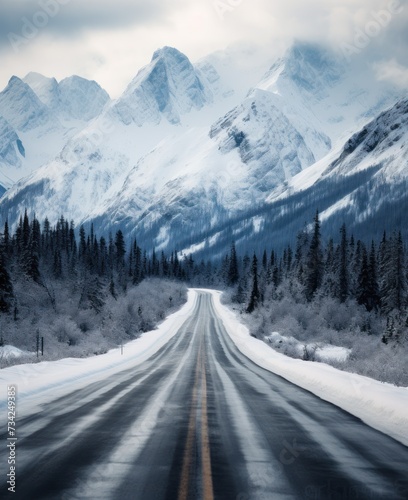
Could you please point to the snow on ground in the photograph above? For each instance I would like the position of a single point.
(328, 352)
(317, 351)
(41, 381)
(380, 405)
(8, 352)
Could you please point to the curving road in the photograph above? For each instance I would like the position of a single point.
(198, 420)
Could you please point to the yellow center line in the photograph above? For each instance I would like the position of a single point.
(188, 451)
(205, 442)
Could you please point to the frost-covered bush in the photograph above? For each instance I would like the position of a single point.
(66, 331)
(71, 327)
(306, 325)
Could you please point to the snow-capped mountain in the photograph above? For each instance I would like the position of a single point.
(23, 110)
(381, 148)
(167, 88)
(363, 183)
(11, 151)
(203, 176)
(46, 89)
(165, 99)
(325, 96)
(383, 141)
(380, 143)
(43, 115)
(10, 144)
(169, 162)
(73, 98)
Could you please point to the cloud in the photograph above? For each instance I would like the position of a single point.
(109, 41)
(71, 17)
(392, 71)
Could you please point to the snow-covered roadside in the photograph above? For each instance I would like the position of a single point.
(380, 405)
(36, 382)
(8, 352)
(316, 351)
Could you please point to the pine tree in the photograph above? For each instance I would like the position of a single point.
(373, 282)
(363, 287)
(255, 296)
(343, 270)
(233, 274)
(314, 271)
(6, 239)
(31, 254)
(302, 245)
(137, 273)
(393, 279)
(6, 288)
(103, 257)
(26, 230)
(120, 250)
(112, 288)
(111, 253)
(82, 243)
(57, 266)
(46, 238)
(289, 257)
(164, 266)
(71, 237)
(265, 260)
(390, 330)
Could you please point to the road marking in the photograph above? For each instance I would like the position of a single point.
(205, 441)
(200, 375)
(188, 450)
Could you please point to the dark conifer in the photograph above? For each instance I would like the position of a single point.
(314, 271)
(233, 275)
(255, 295)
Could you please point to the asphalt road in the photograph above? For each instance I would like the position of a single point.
(199, 420)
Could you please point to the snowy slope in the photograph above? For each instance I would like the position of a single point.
(168, 159)
(362, 182)
(35, 125)
(195, 179)
(380, 143)
(11, 151)
(44, 115)
(81, 99)
(73, 98)
(21, 107)
(326, 97)
(46, 89)
(167, 88)
(167, 97)
(253, 153)
(383, 144)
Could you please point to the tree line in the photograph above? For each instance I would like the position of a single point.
(374, 275)
(44, 254)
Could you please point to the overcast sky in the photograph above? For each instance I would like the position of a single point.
(109, 41)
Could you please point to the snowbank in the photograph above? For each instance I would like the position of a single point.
(318, 351)
(382, 406)
(44, 378)
(9, 352)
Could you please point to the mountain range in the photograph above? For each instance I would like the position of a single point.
(185, 159)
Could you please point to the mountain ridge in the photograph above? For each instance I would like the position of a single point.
(163, 165)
